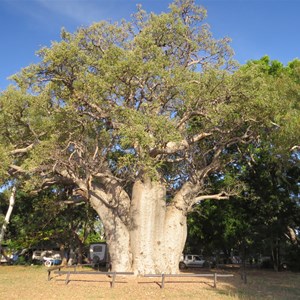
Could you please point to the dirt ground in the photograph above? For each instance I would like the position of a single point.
(18, 282)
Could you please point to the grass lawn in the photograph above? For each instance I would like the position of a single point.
(30, 282)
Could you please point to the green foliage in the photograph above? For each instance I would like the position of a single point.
(120, 90)
(128, 88)
(284, 80)
(45, 217)
(257, 222)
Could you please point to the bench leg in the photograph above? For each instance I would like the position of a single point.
(162, 281)
(112, 285)
(67, 279)
(215, 280)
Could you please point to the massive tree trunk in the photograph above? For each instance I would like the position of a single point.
(117, 235)
(145, 230)
(153, 236)
(158, 230)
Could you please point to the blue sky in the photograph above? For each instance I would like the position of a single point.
(256, 27)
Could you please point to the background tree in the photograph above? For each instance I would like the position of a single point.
(264, 219)
(52, 218)
(136, 117)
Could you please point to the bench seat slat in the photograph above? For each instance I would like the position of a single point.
(188, 275)
(94, 273)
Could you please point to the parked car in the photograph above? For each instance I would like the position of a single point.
(3, 260)
(37, 255)
(54, 259)
(99, 256)
(193, 261)
(48, 257)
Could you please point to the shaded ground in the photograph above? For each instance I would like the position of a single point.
(17, 282)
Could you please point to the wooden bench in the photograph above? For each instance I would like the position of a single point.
(163, 277)
(51, 269)
(74, 267)
(113, 275)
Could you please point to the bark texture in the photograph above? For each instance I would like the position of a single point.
(147, 228)
(151, 238)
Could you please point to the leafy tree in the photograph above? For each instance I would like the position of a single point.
(275, 187)
(264, 220)
(271, 183)
(136, 117)
(285, 79)
(218, 227)
(51, 218)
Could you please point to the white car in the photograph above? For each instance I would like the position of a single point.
(193, 261)
(36, 255)
(43, 255)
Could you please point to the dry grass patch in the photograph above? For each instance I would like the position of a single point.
(17, 282)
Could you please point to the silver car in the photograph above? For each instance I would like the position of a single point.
(193, 261)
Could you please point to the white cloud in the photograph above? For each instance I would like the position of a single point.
(76, 12)
(83, 12)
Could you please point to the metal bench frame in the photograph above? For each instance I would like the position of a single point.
(163, 277)
(113, 275)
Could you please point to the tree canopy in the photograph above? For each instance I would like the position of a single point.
(132, 98)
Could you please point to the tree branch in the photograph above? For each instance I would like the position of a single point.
(188, 116)
(173, 147)
(220, 196)
(7, 216)
(22, 150)
(17, 169)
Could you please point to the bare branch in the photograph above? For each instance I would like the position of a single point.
(7, 216)
(170, 160)
(22, 150)
(295, 148)
(96, 152)
(220, 196)
(292, 236)
(107, 175)
(188, 116)
(17, 169)
(173, 147)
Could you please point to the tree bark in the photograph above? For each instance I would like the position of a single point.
(152, 238)
(7, 218)
(117, 236)
(147, 234)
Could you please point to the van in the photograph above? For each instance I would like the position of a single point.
(98, 255)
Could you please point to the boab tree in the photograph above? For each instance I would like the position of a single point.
(134, 117)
